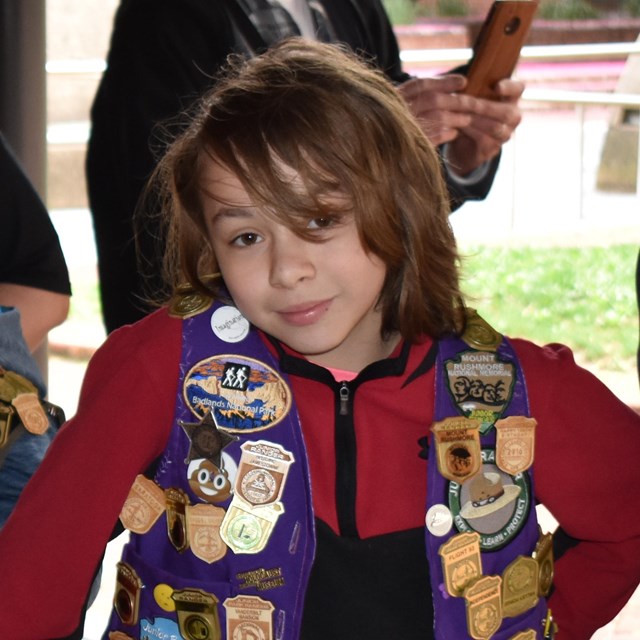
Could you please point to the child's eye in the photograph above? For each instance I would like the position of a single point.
(246, 240)
(323, 222)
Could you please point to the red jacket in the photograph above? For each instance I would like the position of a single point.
(52, 543)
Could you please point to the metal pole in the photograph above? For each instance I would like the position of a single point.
(23, 108)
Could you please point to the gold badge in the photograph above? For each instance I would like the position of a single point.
(478, 333)
(543, 555)
(458, 448)
(515, 443)
(197, 614)
(249, 617)
(247, 529)
(203, 525)
(519, 586)
(126, 601)
(187, 302)
(31, 413)
(6, 420)
(529, 634)
(143, 506)
(176, 502)
(484, 607)
(461, 562)
(262, 472)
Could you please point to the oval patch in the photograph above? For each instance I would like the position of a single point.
(244, 394)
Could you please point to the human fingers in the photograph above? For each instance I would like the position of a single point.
(429, 94)
(509, 90)
(448, 83)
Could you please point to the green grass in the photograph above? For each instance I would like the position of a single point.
(582, 297)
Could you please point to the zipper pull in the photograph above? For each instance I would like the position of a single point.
(345, 393)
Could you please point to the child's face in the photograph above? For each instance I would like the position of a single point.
(317, 297)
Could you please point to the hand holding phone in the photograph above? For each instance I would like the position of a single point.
(497, 47)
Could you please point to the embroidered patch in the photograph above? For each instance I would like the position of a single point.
(244, 394)
(493, 503)
(481, 385)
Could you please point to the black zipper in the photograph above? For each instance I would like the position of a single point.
(346, 461)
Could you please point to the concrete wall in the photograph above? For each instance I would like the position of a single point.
(77, 31)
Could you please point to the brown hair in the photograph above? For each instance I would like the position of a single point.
(342, 126)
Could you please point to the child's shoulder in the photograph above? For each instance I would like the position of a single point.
(155, 332)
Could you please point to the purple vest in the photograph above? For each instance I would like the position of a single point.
(223, 539)
(490, 569)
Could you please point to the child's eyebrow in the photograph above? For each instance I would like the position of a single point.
(232, 212)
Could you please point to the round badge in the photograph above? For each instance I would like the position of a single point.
(493, 504)
(162, 595)
(439, 520)
(229, 324)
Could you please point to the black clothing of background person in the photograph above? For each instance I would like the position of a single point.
(29, 245)
(163, 54)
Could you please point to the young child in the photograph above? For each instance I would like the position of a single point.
(312, 396)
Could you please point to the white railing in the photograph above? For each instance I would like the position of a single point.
(537, 53)
(580, 101)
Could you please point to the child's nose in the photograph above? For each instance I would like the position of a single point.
(290, 261)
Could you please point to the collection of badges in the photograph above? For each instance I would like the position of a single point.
(239, 501)
(208, 531)
(196, 612)
(488, 489)
(232, 394)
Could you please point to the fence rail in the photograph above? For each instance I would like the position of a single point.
(537, 53)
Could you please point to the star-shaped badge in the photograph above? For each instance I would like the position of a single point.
(207, 441)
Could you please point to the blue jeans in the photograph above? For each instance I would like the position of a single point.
(20, 463)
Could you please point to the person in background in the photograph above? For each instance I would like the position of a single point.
(164, 54)
(315, 438)
(33, 273)
(34, 298)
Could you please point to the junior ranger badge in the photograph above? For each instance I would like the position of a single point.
(197, 614)
(461, 562)
(543, 555)
(249, 617)
(256, 507)
(484, 607)
(519, 586)
(515, 443)
(529, 634)
(143, 506)
(458, 447)
(176, 505)
(203, 527)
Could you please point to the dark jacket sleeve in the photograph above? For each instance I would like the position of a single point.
(163, 55)
(30, 252)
